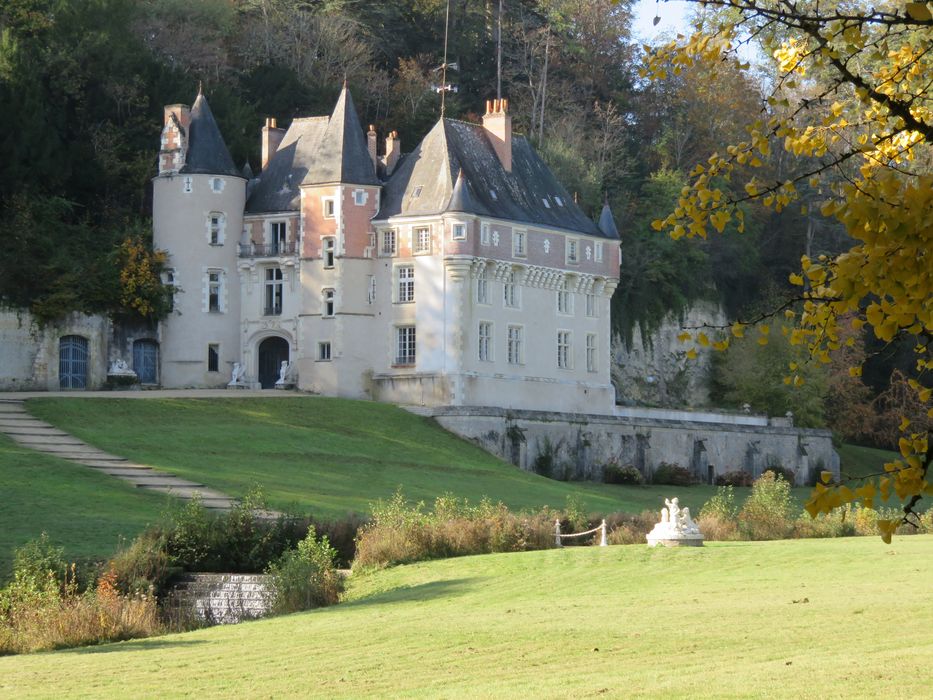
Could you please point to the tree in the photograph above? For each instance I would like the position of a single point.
(851, 98)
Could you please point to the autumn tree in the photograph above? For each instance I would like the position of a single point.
(851, 97)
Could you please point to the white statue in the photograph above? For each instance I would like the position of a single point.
(236, 376)
(119, 366)
(283, 373)
(675, 528)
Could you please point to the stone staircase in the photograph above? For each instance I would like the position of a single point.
(221, 598)
(35, 434)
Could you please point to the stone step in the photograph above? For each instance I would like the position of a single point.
(20, 419)
(32, 430)
(117, 471)
(157, 479)
(80, 456)
(49, 440)
(123, 466)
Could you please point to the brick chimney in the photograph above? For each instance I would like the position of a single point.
(393, 151)
(271, 138)
(498, 125)
(371, 146)
(174, 145)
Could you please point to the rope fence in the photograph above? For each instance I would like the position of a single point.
(601, 528)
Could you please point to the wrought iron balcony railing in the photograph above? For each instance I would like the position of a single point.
(266, 250)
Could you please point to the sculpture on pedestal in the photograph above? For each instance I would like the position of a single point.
(675, 528)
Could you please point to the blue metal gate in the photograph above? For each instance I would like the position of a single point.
(72, 362)
(146, 361)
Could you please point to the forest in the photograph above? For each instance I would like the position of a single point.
(83, 82)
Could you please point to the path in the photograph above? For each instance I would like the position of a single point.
(38, 435)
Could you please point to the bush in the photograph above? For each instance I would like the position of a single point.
(615, 474)
(768, 511)
(722, 505)
(716, 528)
(305, 577)
(735, 478)
(789, 475)
(673, 475)
(400, 533)
(143, 567)
(630, 529)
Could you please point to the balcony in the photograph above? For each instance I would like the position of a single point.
(267, 250)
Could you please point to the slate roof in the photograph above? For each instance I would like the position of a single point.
(425, 182)
(607, 223)
(314, 150)
(207, 152)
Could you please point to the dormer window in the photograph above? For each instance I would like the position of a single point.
(417, 192)
(560, 202)
(495, 197)
(547, 204)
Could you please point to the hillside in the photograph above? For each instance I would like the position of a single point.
(778, 619)
(332, 456)
(83, 510)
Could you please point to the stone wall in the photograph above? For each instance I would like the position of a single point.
(657, 372)
(222, 598)
(579, 446)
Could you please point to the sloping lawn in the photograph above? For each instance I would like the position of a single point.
(856, 461)
(332, 456)
(82, 510)
(794, 619)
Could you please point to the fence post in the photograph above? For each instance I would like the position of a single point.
(557, 542)
(602, 535)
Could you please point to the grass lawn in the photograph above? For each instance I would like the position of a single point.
(82, 510)
(859, 461)
(331, 456)
(805, 618)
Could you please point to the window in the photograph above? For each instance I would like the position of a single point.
(564, 299)
(405, 336)
(406, 284)
(323, 351)
(563, 349)
(327, 310)
(482, 286)
(371, 290)
(560, 202)
(217, 185)
(573, 252)
(329, 207)
(598, 252)
(214, 291)
(546, 203)
(215, 227)
(458, 232)
(484, 234)
(590, 352)
(273, 291)
(514, 345)
(389, 242)
(591, 305)
(360, 197)
(494, 195)
(328, 245)
(485, 341)
(417, 192)
(213, 357)
(518, 244)
(510, 291)
(187, 185)
(422, 238)
(278, 232)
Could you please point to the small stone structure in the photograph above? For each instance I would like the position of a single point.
(676, 528)
(222, 598)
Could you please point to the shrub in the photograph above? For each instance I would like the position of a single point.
(722, 505)
(716, 528)
(400, 533)
(615, 474)
(144, 566)
(838, 523)
(735, 478)
(767, 513)
(305, 577)
(629, 529)
(789, 475)
(38, 562)
(673, 475)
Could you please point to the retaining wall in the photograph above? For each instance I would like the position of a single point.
(222, 598)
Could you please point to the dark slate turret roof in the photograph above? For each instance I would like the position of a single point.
(207, 152)
(314, 151)
(424, 182)
(607, 224)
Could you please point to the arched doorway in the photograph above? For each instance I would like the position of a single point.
(72, 362)
(146, 361)
(272, 353)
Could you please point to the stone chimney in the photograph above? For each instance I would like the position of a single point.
(498, 125)
(271, 138)
(174, 146)
(371, 146)
(393, 151)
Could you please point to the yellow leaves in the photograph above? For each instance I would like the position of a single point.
(703, 340)
(657, 224)
(887, 528)
(796, 280)
(905, 423)
(684, 337)
(918, 11)
(691, 354)
(855, 371)
(738, 330)
(826, 476)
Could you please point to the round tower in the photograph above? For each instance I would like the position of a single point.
(197, 218)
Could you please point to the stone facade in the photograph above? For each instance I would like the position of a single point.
(579, 446)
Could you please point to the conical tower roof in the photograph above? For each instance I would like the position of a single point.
(460, 199)
(207, 152)
(607, 223)
(344, 155)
